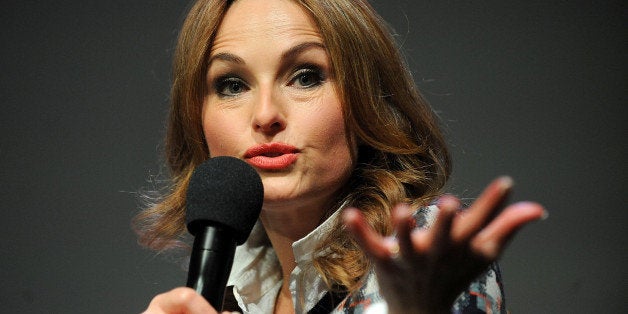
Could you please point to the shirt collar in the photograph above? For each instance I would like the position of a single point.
(256, 273)
(304, 247)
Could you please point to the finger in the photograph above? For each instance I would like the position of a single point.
(486, 205)
(492, 240)
(439, 236)
(424, 240)
(372, 243)
(403, 224)
(180, 301)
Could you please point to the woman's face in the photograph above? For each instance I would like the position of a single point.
(271, 101)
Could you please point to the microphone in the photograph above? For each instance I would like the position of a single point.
(223, 202)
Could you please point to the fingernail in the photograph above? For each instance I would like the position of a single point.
(448, 202)
(393, 246)
(349, 213)
(401, 210)
(545, 215)
(506, 182)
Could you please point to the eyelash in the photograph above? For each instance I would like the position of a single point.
(227, 81)
(308, 70)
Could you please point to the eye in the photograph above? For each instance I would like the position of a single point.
(307, 77)
(230, 86)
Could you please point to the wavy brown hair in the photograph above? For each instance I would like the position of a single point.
(401, 156)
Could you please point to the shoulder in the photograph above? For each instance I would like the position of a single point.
(484, 295)
(363, 298)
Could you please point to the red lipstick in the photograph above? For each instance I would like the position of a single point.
(271, 156)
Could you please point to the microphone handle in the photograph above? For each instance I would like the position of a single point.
(210, 263)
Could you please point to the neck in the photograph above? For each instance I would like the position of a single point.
(284, 226)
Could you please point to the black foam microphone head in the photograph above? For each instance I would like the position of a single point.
(226, 191)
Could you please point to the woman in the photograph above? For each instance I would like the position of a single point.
(315, 96)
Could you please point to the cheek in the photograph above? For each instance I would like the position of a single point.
(332, 123)
(217, 132)
(331, 132)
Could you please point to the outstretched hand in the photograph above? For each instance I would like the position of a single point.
(424, 270)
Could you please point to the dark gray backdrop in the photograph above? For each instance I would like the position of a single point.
(534, 89)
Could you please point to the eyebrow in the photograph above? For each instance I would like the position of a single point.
(298, 49)
(225, 56)
(288, 54)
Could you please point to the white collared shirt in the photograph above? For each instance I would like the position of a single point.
(256, 273)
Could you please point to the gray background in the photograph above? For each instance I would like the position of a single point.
(534, 89)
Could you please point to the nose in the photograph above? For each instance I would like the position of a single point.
(268, 116)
